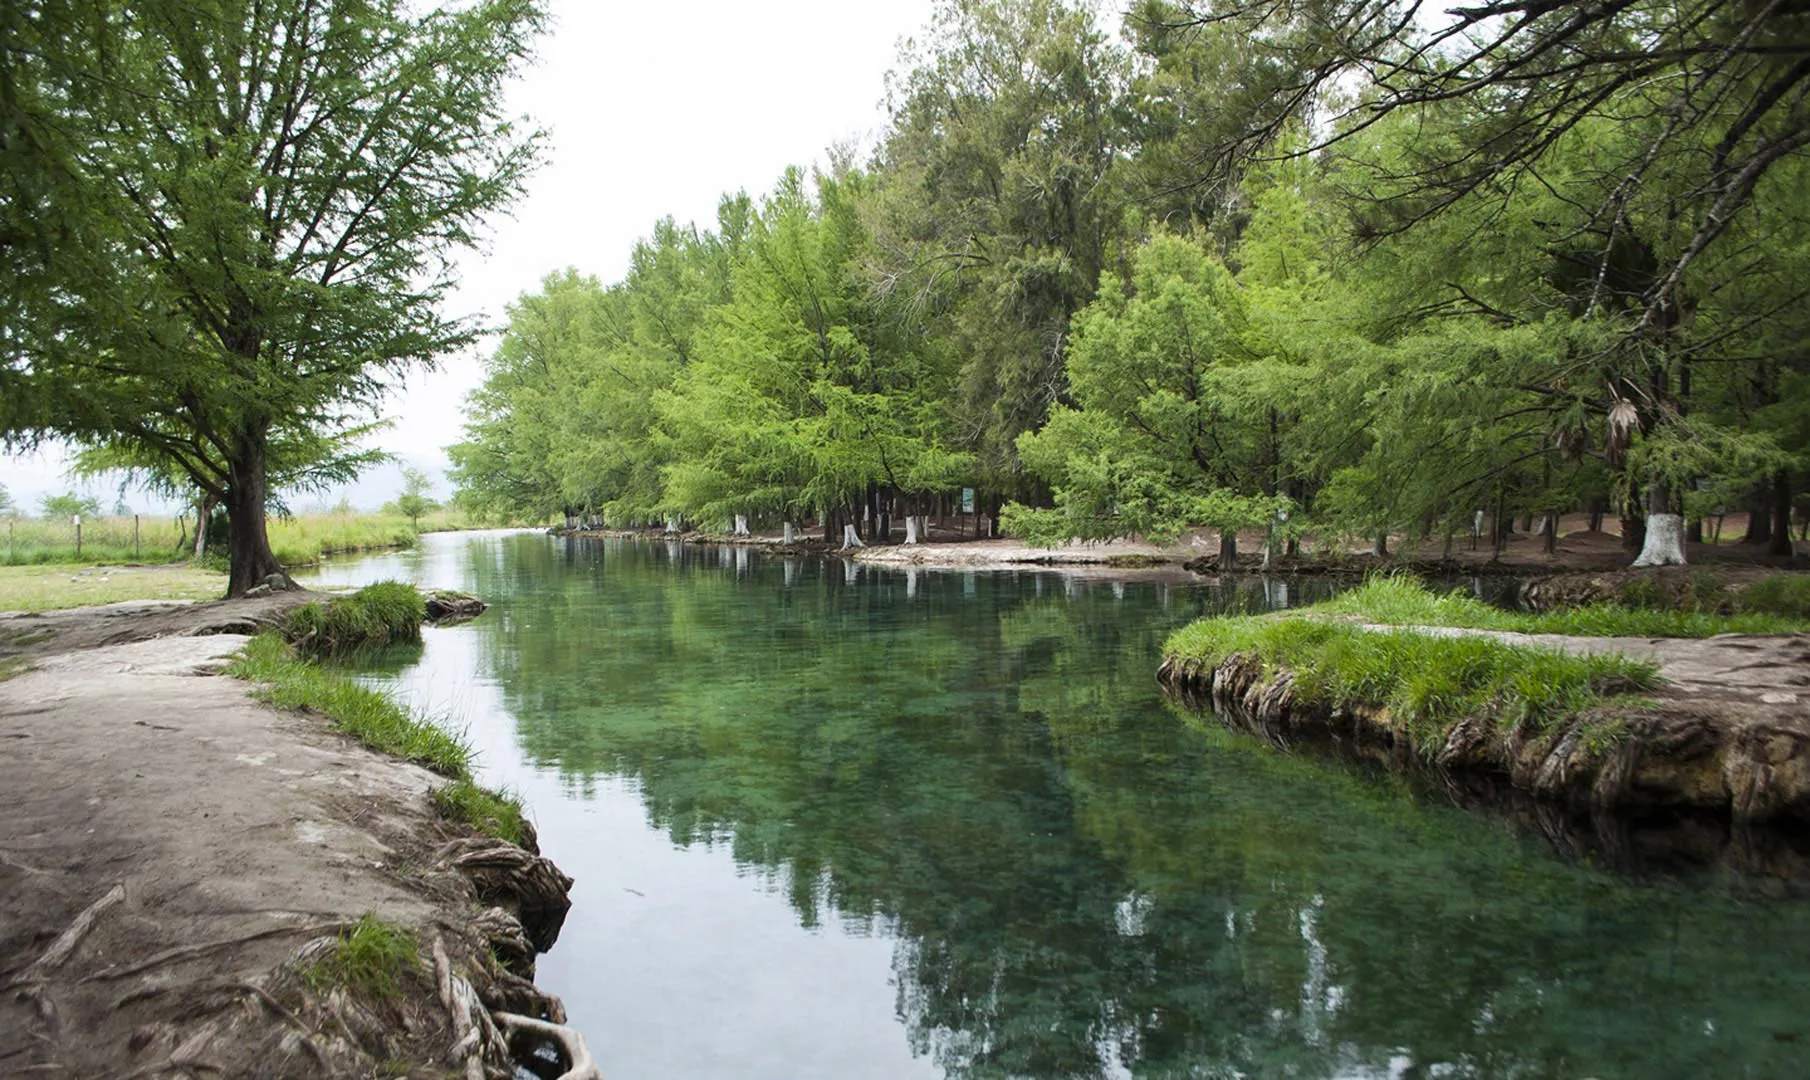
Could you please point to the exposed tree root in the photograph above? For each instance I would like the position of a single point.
(580, 1065)
(184, 952)
(67, 941)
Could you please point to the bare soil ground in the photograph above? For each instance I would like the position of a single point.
(168, 845)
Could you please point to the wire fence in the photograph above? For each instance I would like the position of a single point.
(134, 538)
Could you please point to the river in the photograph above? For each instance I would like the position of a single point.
(830, 821)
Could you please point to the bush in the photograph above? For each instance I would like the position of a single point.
(375, 616)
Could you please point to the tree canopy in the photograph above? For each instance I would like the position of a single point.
(242, 224)
(1374, 266)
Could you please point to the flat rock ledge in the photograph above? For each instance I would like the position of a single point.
(1722, 737)
(179, 864)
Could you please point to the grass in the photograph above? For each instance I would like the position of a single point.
(1403, 600)
(492, 813)
(11, 667)
(1428, 684)
(376, 720)
(300, 540)
(373, 957)
(374, 617)
(291, 682)
(53, 588)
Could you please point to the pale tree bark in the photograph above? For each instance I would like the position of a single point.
(741, 525)
(1664, 542)
(850, 538)
(790, 534)
(914, 529)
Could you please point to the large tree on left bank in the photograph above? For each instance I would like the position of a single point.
(224, 224)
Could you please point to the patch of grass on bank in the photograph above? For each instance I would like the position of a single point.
(12, 667)
(376, 616)
(1403, 600)
(291, 682)
(493, 813)
(54, 588)
(376, 720)
(373, 957)
(1427, 683)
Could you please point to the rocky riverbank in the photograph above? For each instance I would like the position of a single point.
(192, 882)
(1727, 733)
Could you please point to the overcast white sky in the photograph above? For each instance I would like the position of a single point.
(653, 109)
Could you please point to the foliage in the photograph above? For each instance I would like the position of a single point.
(1403, 600)
(290, 682)
(492, 813)
(372, 957)
(375, 616)
(69, 505)
(7, 507)
(273, 196)
(1427, 683)
(413, 502)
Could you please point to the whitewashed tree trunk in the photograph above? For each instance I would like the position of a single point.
(741, 525)
(913, 534)
(1664, 545)
(791, 534)
(850, 539)
(672, 524)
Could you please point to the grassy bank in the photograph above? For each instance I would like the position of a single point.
(289, 680)
(1774, 605)
(1427, 684)
(54, 588)
(297, 541)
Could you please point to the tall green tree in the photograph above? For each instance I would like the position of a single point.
(284, 186)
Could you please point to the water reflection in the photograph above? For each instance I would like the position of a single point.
(1072, 879)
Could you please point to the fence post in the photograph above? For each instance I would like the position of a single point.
(134, 537)
(78, 536)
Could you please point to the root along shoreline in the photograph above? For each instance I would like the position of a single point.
(192, 882)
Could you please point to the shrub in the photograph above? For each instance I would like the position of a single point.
(375, 616)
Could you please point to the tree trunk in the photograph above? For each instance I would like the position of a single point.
(1781, 515)
(248, 544)
(1664, 541)
(741, 525)
(204, 507)
(790, 535)
(1228, 549)
(1759, 520)
(851, 538)
(913, 530)
(1596, 515)
(1549, 532)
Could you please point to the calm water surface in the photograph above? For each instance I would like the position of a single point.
(842, 823)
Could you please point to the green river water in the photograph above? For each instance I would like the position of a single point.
(840, 822)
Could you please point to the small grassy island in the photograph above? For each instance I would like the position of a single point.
(1608, 704)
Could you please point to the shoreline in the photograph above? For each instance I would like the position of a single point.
(1728, 735)
(182, 860)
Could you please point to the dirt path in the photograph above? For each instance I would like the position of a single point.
(168, 844)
